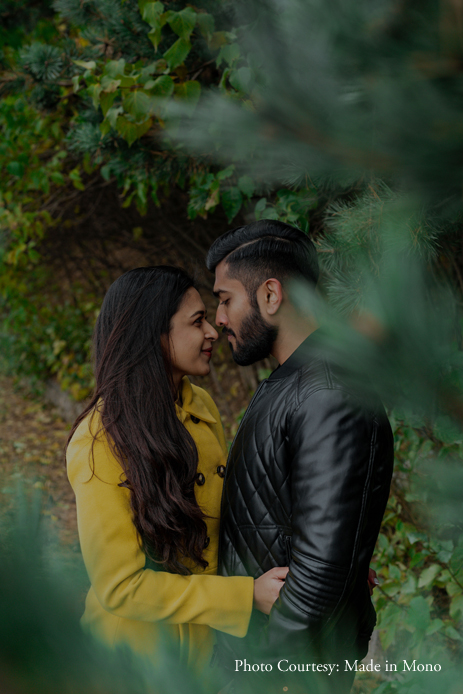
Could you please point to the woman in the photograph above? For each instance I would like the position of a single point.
(146, 460)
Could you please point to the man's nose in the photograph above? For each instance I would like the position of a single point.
(220, 317)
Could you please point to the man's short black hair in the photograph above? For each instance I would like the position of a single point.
(265, 249)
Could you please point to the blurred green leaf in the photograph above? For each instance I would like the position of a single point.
(177, 53)
(428, 575)
(231, 202)
(138, 104)
(183, 22)
(418, 614)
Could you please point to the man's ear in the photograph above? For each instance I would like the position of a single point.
(271, 295)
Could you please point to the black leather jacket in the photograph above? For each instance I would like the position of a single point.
(306, 485)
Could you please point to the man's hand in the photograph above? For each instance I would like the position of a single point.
(372, 580)
(267, 588)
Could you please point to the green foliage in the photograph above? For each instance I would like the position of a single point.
(289, 206)
(40, 340)
(207, 190)
(43, 62)
(90, 94)
(44, 648)
(39, 337)
(363, 234)
(419, 561)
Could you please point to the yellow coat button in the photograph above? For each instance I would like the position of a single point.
(206, 542)
(221, 470)
(194, 419)
(200, 479)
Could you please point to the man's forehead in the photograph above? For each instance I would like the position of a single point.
(223, 282)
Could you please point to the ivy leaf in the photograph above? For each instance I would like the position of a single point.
(75, 83)
(127, 81)
(132, 131)
(246, 185)
(109, 84)
(114, 68)
(394, 573)
(271, 213)
(138, 104)
(214, 197)
(416, 537)
(105, 127)
(231, 202)
(241, 78)
(113, 114)
(152, 12)
(409, 586)
(452, 633)
(390, 618)
(456, 562)
(147, 71)
(206, 24)
(15, 168)
(106, 101)
(418, 614)
(446, 429)
(177, 53)
(57, 178)
(435, 625)
(190, 91)
(105, 171)
(155, 36)
(218, 39)
(95, 90)
(182, 22)
(226, 173)
(428, 575)
(228, 53)
(87, 64)
(162, 86)
(161, 65)
(456, 607)
(259, 208)
(444, 555)
(77, 182)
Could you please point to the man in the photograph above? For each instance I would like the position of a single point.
(307, 478)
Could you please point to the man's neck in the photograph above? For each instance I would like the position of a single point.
(289, 339)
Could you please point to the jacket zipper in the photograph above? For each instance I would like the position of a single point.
(259, 388)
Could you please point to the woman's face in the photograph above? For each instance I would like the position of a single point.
(191, 338)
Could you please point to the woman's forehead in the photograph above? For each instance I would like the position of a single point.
(192, 303)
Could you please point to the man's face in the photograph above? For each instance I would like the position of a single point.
(250, 337)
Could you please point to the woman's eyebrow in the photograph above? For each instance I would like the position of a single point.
(202, 312)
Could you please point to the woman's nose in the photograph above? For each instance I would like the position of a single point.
(210, 332)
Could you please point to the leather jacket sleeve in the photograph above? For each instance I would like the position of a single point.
(330, 441)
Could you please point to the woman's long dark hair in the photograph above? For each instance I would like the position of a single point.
(135, 396)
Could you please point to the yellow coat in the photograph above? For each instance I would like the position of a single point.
(136, 606)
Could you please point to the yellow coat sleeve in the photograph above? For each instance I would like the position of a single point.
(115, 561)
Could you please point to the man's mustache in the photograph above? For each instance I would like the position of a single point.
(227, 331)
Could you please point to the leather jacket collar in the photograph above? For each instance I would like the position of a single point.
(300, 356)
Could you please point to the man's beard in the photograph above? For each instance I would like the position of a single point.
(255, 341)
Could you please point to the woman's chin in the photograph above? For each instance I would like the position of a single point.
(202, 370)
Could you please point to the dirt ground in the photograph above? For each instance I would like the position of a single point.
(32, 438)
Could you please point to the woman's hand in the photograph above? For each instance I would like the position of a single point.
(267, 588)
(372, 580)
